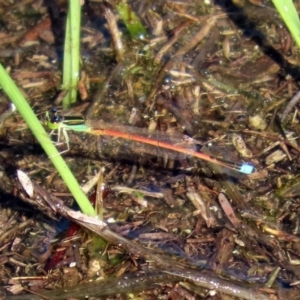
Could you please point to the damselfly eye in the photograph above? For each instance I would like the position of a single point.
(56, 119)
(53, 110)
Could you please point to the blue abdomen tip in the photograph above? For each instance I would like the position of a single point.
(247, 169)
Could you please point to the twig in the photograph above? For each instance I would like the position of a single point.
(290, 106)
(165, 264)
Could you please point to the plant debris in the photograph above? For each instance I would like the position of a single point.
(223, 73)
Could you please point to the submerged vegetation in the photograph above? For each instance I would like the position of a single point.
(220, 77)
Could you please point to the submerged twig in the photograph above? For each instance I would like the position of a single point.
(111, 286)
(290, 106)
(115, 33)
(165, 264)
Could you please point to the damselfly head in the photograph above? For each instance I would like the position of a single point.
(53, 110)
(52, 119)
(56, 119)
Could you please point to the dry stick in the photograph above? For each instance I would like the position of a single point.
(171, 41)
(165, 264)
(115, 33)
(169, 64)
(202, 278)
(271, 137)
(198, 37)
(15, 229)
(107, 287)
(290, 106)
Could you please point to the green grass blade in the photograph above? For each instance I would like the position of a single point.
(41, 135)
(71, 67)
(131, 20)
(290, 17)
